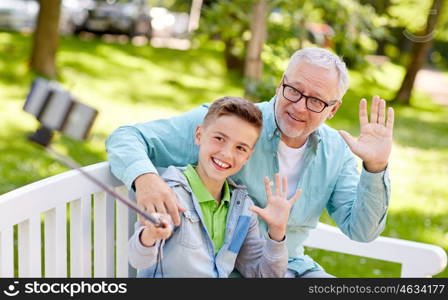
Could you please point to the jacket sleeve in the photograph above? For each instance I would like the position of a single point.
(358, 204)
(259, 257)
(140, 256)
(139, 149)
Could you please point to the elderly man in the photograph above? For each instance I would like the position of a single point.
(295, 142)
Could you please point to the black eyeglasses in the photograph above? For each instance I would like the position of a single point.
(312, 103)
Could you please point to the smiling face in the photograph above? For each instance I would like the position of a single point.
(294, 120)
(225, 145)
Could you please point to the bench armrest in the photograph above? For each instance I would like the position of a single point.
(417, 259)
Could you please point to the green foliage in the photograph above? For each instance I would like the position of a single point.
(260, 91)
(438, 56)
(228, 21)
(356, 38)
(172, 5)
(406, 16)
(288, 30)
(355, 26)
(409, 14)
(127, 84)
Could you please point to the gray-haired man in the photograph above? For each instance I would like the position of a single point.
(295, 142)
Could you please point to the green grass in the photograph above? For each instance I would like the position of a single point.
(130, 84)
(127, 84)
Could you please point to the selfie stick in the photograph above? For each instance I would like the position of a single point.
(73, 165)
(43, 136)
(56, 109)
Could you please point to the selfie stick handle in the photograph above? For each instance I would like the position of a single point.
(73, 165)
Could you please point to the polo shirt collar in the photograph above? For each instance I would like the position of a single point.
(198, 188)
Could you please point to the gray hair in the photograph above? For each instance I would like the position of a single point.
(325, 59)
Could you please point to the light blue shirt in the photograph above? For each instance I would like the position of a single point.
(329, 177)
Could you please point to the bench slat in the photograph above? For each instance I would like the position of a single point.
(30, 247)
(7, 253)
(80, 237)
(122, 235)
(46, 194)
(103, 236)
(56, 242)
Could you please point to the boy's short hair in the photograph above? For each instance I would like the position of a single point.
(235, 106)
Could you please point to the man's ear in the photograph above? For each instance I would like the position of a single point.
(333, 110)
(279, 87)
(197, 135)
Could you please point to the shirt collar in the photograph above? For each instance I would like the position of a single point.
(198, 188)
(270, 122)
(273, 129)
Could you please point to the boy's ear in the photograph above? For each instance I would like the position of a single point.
(197, 135)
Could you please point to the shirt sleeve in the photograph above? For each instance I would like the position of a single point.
(139, 149)
(140, 256)
(358, 203)
(259, 257)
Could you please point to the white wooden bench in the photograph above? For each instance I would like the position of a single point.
(93, 239)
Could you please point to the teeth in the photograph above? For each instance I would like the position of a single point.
(221, 163)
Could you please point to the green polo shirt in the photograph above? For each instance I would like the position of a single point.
(214, 216)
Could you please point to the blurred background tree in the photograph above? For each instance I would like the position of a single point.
(353, 29)
(421, 46)
(253, 68)
(374, 27)
(228, 21)
(46, 39)
(290, 25)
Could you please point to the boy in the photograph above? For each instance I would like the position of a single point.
(219, 229)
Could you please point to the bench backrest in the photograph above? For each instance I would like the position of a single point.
(68, 223)
(76, 230)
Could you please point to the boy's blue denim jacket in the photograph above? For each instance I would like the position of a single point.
(189, 251)
(329, 178)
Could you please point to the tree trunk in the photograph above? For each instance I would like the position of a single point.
(422, 44)
(254, 66)
(233, 62)
(46, 39)
(195, 14)
(302, 32)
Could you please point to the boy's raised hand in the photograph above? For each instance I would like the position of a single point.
(151, 233)
(276, 212)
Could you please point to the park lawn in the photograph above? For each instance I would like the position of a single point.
(130, 84)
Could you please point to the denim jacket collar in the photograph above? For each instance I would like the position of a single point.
(173, 176)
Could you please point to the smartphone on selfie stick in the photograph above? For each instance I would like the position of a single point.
(57, 110)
